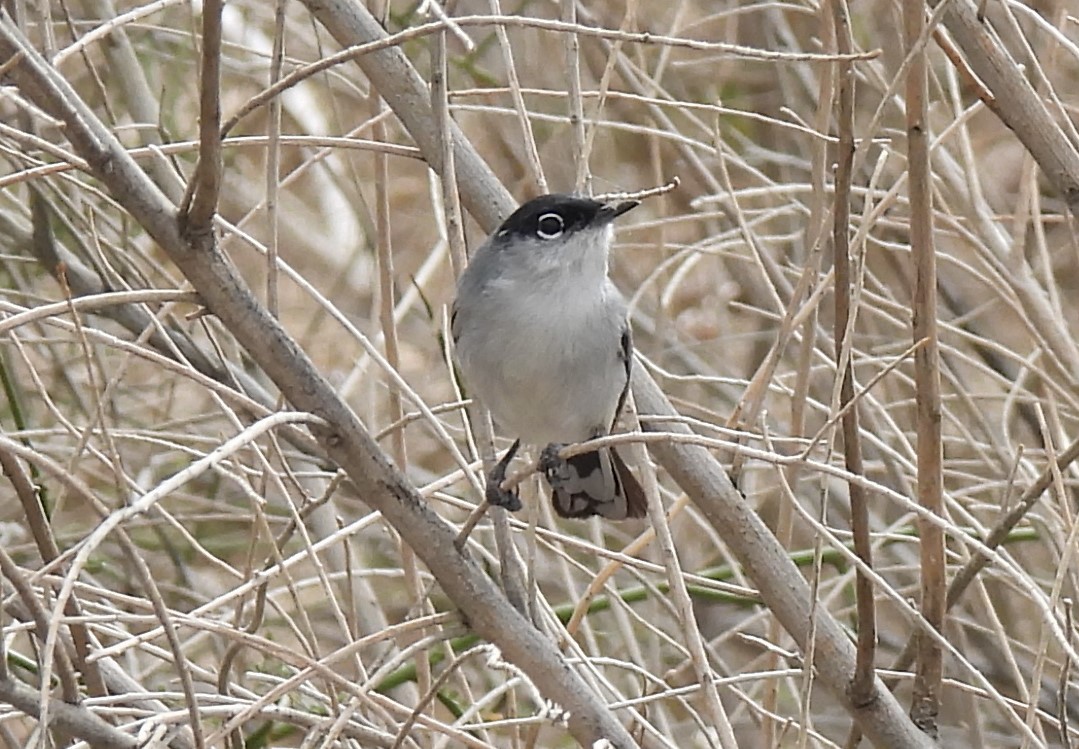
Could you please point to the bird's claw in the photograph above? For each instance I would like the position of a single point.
(553, 465)
(494, 493)
(499, 497)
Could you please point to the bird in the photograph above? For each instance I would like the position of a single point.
(541, 336)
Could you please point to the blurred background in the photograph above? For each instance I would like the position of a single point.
(734, 99)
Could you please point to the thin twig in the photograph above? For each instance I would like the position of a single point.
(273, 161)
(575, 102)
(1005, 525)
(200, 202)
(384, 42)
(698, 655)
(930, 666)
(862, 685)
(528, 140)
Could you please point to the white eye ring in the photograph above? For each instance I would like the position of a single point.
(550, 226)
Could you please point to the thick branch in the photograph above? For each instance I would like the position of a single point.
(73, 719)
(1017, 103)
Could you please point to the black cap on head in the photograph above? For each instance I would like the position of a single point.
(551, 216)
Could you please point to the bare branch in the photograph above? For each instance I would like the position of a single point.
(73, 719)
(1017, 104)
(930, 667)
(200, 203)
(863, 685)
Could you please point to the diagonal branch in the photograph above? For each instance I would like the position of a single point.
(73, 719)
(1017, 103)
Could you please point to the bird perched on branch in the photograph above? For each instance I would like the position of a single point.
(542, 338)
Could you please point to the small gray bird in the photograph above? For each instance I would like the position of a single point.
(541, 336)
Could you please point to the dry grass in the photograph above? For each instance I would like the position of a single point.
(296, 616)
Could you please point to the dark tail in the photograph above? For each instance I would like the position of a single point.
(593, 483)
(636, 501)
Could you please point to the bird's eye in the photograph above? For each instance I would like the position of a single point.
(549, 226)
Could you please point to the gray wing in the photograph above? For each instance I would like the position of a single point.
(455, 333)
(626, 355)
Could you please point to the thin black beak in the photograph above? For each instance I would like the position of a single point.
(613, 210)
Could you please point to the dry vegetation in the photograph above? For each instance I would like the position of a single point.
(195, 571)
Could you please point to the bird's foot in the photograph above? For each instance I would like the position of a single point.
(495, 494)
(554, 466)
